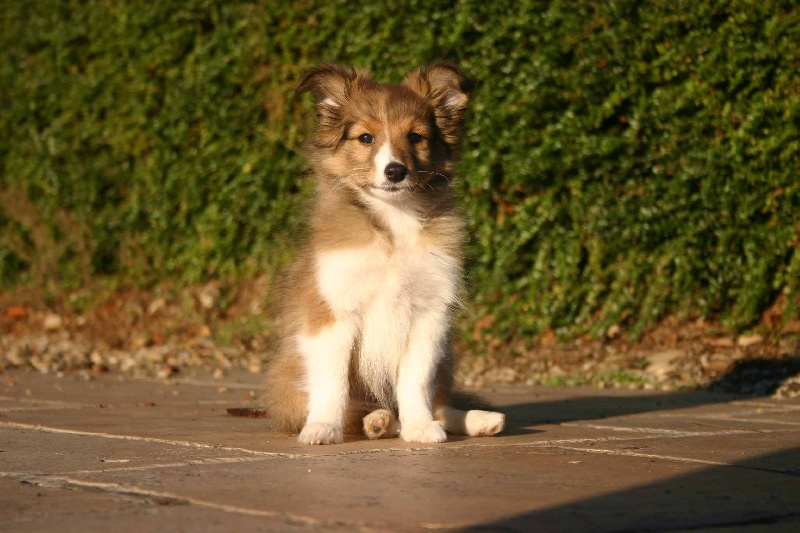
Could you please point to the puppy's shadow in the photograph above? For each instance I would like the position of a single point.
(513, 429)
(747, 379)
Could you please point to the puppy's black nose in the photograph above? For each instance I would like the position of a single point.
(395, 172)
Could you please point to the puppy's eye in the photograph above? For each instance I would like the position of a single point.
(414, 137)
(365, 138)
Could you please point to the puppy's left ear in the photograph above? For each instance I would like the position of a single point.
(448, 90)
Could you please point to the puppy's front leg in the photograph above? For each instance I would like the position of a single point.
(327, 359)
(415, 382)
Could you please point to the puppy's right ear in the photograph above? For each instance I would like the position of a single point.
(328, 84)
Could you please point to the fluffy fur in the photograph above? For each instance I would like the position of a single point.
(368, 304)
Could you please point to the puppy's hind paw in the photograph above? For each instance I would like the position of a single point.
(380, 424)
(484, 423)
(423, 432)
(321, 433)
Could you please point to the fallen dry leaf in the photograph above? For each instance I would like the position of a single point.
(247, 412)
(719, 342)
(17, 313)
(793, 326)
(749, 340)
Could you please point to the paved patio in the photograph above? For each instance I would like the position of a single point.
(136, 455)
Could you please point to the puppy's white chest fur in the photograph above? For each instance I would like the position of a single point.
(354, 280)
(411, 276)
(385, 293)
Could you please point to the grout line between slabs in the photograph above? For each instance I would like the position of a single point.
(643, 434)
(608, 451)
(206, 383)
(169, 498)
(759, 421)
(777, 404)
(189, 444)
(35, 405)
(185, 444)
(665, 432)
(39, 404)
(648, 433)
(141, 468)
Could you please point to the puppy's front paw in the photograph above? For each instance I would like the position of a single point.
(423, 432)
(320, 433)
(380, 424)
(482, 423)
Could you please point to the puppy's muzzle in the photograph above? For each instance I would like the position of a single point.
(395, 172)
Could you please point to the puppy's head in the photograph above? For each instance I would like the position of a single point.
(387, 141)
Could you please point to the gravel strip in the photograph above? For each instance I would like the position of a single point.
(49, 343)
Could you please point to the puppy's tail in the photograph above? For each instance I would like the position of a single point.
(466, 401)
(283, 400)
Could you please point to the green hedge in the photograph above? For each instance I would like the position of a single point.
(623, 160)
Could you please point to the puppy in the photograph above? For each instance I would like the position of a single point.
(368, 304)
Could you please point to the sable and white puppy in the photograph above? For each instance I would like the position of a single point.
(368, 304)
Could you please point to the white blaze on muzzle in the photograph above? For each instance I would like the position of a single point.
(388, 170)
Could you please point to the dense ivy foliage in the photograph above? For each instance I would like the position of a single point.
(622, 160)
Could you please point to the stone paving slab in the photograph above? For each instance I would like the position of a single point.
(25, 503)
(69, 453)
(122, 391)
(128, 454)
(504, 482)
(59, 508)
(779, 452)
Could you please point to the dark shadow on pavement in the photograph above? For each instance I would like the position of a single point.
(762, 491)
(763, 377)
